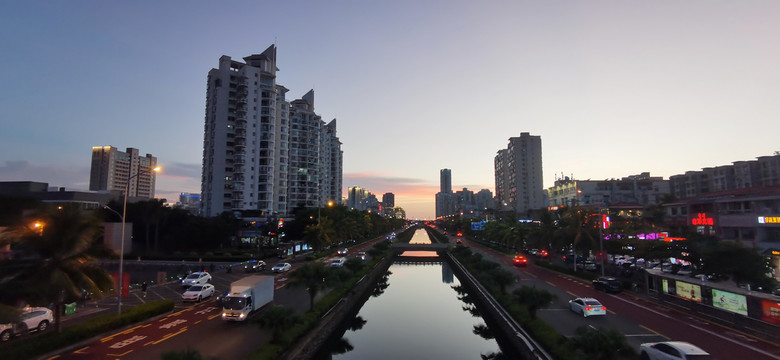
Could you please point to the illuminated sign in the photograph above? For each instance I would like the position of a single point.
(729, 301)
(770, 311)
(281, 222)
(702, 219)
(769, 219)
(689, 291)
(605, 221)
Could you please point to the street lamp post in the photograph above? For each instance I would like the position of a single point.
(122, 243)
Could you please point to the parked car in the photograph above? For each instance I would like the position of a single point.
(685, 270)
(520, 260)
(671, 350)
(587, 307)
(607, 284)
(198, 292)
(196, 278)
(281, 267)
(32, 319)
(254, 266)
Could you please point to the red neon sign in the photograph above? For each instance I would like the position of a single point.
(702, 219)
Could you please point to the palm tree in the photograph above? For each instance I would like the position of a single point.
(314, 276)
(321, 234)
(278, 319)
(55, 260)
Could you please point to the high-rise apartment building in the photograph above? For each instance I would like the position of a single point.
(388, 200)
(445, 180)
(260, 151)
(518, 174)
(114, 170)
(445, 199)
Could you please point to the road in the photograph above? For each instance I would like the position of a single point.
(191, 325)
(639, 319)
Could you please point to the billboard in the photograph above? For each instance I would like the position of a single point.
(770, 311)
(689, 291)
(477, 226)
(729, 301)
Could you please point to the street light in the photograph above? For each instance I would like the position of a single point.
(122, 242)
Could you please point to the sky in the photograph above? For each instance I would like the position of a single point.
(614, 88)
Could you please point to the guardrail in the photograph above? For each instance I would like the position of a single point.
(532, 348)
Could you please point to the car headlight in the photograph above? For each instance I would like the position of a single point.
(241, 316)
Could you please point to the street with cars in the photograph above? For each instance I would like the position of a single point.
(640, 320)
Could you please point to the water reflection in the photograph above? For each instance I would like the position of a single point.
(421, 316)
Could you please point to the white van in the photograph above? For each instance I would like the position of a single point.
(338, 262)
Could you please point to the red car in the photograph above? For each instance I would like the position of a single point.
(520, 260)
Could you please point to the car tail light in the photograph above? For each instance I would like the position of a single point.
(588, 308)
(604, 308)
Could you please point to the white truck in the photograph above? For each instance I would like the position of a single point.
(247, 295)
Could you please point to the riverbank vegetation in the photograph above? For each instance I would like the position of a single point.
(522, 305)
(340, 283)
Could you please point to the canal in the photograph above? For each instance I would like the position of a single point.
(416, 313)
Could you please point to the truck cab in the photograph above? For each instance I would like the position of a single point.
(247, 295)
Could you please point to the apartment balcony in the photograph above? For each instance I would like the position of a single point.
(241, 100)
(240, 144)
(240, 160)
(241, 125)
(243, 92)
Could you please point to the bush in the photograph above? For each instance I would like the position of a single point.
(39, 345)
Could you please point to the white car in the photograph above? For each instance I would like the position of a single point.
(281, 267)
(32, 319)
(196, 278)
(587, 307)
(198, 292)
(672, 350)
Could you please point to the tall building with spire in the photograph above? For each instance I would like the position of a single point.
(262, 153)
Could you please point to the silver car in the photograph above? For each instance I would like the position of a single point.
(196, 278)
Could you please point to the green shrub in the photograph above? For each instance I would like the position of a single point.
(39, 345)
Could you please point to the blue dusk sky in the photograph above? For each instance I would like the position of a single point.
(614, 88)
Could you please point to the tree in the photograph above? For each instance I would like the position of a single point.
(278, 319)
(321, 234)
(56, 259)
(314, 276)
(533, 298)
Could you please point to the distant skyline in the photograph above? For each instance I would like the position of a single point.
(613, 88)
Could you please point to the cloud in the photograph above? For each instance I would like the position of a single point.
(71, 177)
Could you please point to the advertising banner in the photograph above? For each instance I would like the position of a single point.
(689, 291)
(770, 311)
(729, 301)
(665, 285)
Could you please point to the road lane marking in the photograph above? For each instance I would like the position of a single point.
(79, 351)
(123, 332)
(166, 337)
(122, 354)
(213, 316)
(172, 324)
(733, 341)
(651, 330)
(197, 322)
(128, 341)
(53, 357)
